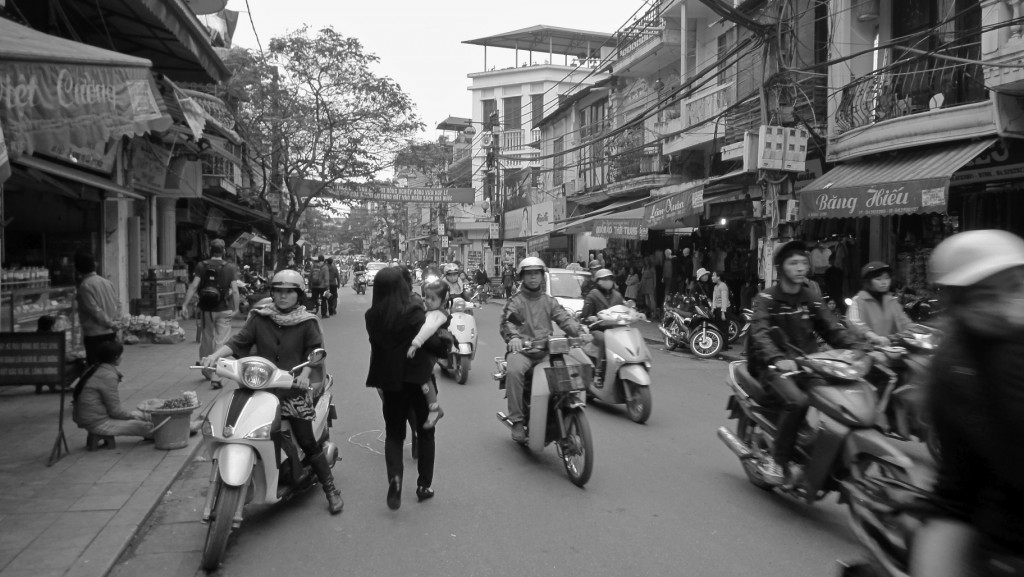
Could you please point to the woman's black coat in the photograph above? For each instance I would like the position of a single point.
(389, 368)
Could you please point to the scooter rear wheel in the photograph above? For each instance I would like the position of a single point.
(746, 431)
(671, 343)
(577, 448)
(220, 526)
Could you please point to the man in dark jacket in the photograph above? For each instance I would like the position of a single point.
(976, 400)
(603, 296)
(800, 314)
(335, 282)
(527, 316)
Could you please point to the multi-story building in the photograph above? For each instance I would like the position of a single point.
(550, 63)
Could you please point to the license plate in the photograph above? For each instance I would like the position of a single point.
(460, 327)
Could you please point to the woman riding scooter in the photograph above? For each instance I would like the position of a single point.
(602, 296)
(875, 313)
(285, 333)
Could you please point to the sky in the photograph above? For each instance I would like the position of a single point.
(419, 42)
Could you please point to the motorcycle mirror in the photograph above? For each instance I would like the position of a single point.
(316, 356)
(631, 304)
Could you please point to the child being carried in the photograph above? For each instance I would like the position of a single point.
(435, 296)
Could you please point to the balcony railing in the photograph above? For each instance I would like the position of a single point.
(636, 163)
(645, 30)
(516, 139)
(915, 84)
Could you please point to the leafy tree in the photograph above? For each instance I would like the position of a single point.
(313, 112)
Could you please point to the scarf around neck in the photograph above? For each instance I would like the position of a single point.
(297, 315)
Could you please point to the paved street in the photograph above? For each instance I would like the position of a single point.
(666, 498)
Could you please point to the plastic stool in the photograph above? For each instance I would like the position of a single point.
(94, 442)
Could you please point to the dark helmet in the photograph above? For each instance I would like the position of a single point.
(873, 269)
(789, 249)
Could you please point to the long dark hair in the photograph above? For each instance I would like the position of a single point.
(391, 296)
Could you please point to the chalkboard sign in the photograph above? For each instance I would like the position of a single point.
(32, 358)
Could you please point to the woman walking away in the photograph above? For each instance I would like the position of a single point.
(720, 304)
(648, 286)
(285, 333)
(632, 284)
(506, 280)
(391, 324)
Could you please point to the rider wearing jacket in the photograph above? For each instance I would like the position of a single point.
(527, 316)
(285, 333)
(875, 313)
(976, 399)
(800, 314)
(601, 297)
(455, 288)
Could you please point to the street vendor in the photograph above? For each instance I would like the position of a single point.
(97, 402)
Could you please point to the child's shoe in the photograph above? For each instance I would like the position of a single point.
(435, 414)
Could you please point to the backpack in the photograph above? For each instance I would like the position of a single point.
(210, 294)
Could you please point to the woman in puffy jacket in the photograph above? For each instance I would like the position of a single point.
(876, 313)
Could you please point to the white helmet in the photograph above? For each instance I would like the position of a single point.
(966, 258)
(531, 263)
(451, 267)
(288, 278)
(603, 273)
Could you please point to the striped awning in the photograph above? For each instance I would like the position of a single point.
(909, 182)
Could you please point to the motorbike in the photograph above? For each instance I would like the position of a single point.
(626, 377)
(837, 440)
(463, 327)
(900, 412)
(360, 283)
(739, 324)
(554, 401)
(479, 294)
(255, 458)
(687, 322)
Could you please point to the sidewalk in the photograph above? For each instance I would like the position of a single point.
(76, 517)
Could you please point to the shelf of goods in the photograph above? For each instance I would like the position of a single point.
(160, 298)
(21, 309)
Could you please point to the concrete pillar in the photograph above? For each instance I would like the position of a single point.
(167, 239)
(114, 265)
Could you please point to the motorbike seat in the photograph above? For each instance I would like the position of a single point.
(750, 384)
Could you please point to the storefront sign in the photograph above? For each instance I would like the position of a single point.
(670, 209)
(626, 228)
(517, 223)
(909, 197)
(32, 358)
(538, 244)
(149, 164)
(5, 160)
(46, 105)
(543, 216)
(494, 231)
(998, 163)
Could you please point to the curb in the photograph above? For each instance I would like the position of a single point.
(96, 560)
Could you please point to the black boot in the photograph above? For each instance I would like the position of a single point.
(323, 472)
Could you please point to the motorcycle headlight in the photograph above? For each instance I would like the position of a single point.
(260, 433)
(256, 375)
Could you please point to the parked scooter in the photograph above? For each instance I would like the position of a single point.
(255, 458)
(837, 440)
(360, 283)
(690, 324)
(739, 324)
(626, 377)
(463, 327)
(554, 402)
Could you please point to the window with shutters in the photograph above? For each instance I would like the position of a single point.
(536, 109)
(691, 48)
(490, 107)
(558, 161)
(513, 118)
(726, 70)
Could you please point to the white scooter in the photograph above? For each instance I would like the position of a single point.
(255, 458)
(627, 377)
(463, 328)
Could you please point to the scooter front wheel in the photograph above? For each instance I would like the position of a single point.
(460, 369)
(706, 343)
(577, 447)
(220, 526)
(639, 405)
(670, 341)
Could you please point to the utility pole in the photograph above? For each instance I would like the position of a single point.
(494, 165)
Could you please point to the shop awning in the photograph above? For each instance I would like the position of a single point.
(620, 205)
(910, 182)
(680, 208)
(75, 175)
(629, 225)
(255, 216)
(60, 94)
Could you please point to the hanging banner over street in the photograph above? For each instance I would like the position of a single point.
(382, 193)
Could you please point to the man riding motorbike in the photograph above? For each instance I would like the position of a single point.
(455, 288)
(875, 313)
(976, 399)
(800, 314)
(603, 296)
(528, 315)
(286, 333)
